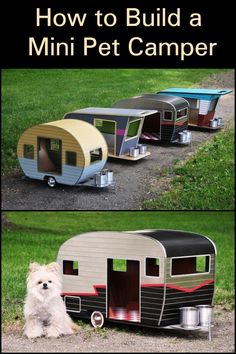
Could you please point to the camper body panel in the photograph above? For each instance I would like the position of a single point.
(90, 285)
(167, 130)
(187, 290)
(104, 245)
(71, 140)
(203, 104)
(115, 140)
(31, 136)
(91, 170)
(70, 175)
(158, 293)
(121, 128)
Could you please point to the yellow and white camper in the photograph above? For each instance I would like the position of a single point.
(65, 151)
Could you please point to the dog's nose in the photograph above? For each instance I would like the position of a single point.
(45, 285)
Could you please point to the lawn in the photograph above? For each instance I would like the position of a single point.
(206, 181)
(31, 97)
(36, 237)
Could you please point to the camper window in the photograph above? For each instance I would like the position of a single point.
(193, 103)
(71, 158)
(105, 126)
(167, 115)
(95, 155)
(54, 144)
(190, 265)
(133, 128)
(70, 268)
(153, 267)
(28, 151)
(119, 265)
(181, 113)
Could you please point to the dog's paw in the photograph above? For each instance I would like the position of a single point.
(33, 333)
(75, 328)
(52, 332)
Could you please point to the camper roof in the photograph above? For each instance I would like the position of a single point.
(194, 93)
(179, 243)
(121, 112)
(153, 101)
(202, 91)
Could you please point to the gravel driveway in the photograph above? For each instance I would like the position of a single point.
(133, 179)
(130, 339)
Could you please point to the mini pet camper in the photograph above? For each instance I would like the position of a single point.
(168, 124)
(65, 151)
(203, 104)
(120, 127)
(142, 277)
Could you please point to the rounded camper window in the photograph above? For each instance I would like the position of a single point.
(95, 155)
(167, 115)
(181, 113)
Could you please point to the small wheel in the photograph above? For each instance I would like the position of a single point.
(97, 319)
(51, 182)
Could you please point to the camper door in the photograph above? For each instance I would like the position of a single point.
(123, 286)
(108, 130)
(49, 155)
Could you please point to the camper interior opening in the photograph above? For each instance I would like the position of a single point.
(151, 127)
(123, 290)
(49, 155)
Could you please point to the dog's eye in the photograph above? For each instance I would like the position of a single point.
(49, 281)
(40, 282)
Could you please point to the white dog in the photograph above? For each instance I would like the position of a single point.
(44, 310)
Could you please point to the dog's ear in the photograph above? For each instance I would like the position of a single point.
(53, 267)
(33, 267)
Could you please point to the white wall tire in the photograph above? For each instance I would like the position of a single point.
(51, 182)
(97, 319)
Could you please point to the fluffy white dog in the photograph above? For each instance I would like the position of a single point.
(44, 310)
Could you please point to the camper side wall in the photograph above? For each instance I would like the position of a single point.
(189, 282)
(89, 289)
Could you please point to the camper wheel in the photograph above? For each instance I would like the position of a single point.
(97, 319)
(51, 182)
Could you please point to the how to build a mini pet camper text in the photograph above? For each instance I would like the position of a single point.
(141, 277)
(69, 152)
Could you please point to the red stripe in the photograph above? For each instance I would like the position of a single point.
(182, 122)
(181, 288)
(95, 293)
(171, 286)
(120, 132)
(190, 290)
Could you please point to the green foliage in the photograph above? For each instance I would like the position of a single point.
(206, 181)
(37, 237)
(31, 97)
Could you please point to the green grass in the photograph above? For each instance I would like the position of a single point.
(206, 181)
(38, 236)
(31, 97)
